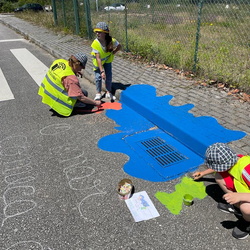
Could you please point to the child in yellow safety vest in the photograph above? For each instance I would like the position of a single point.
(232, 173)
(104, 48)
(60, 88)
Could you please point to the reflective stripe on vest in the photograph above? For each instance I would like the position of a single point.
(246, 174)
(55, 98)
(103, 60)
(106, 57)
(52, 90)
(236, 171)
(63, 91)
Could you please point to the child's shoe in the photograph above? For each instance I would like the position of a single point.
(228, 208)
(110, 96)
(242, 230)
(98, 97)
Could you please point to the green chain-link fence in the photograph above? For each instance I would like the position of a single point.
(208, 37)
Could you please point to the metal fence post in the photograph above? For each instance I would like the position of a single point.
(126, 26)
(64, 14)
(88, 19)
(96, 3)
(54, 12)
(77, 19)
(200, 5)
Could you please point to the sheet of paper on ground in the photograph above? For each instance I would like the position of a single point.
(141, 207)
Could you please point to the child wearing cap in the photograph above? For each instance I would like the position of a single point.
(104, 47)
(60, 88)
(232, 173)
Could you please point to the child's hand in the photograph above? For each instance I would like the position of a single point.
(232, 198)
(197, 175)
(98, 103)
(103, 75)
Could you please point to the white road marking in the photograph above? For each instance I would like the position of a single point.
(12, 40)
(5, 93)
(32, 65)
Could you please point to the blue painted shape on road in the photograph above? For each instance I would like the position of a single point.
(182, 138)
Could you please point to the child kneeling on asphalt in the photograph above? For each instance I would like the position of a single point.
(232, 173)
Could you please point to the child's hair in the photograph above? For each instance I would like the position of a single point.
(72, 61)
(78, 58)
(109, 44)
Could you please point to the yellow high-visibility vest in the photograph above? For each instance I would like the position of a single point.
(237, 170)
(106, 57)
(52, 90)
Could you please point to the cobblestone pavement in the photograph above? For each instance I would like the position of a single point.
(209, 101)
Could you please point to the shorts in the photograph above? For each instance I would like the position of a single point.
(229, 180)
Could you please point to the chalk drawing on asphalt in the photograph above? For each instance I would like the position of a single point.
(55, 129)
(28, 245)
(80, 177)
(18, 196)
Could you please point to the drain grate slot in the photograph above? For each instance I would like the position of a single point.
(162, 152)
(152, 142)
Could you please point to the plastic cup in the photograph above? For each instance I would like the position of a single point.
(125, 188)
(188, 199)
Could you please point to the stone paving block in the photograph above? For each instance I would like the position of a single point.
(244, 128)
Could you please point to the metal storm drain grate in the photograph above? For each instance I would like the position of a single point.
(162, 152)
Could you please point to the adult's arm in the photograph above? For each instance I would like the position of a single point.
(71, 84)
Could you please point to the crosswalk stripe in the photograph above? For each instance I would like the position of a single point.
(12, 40)
(32, 65)
(5, 93)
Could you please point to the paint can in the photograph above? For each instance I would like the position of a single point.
(125, 188)
(188, 199)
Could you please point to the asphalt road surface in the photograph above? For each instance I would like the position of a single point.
(58, 189)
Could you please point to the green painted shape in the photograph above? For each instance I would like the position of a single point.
(174, 201)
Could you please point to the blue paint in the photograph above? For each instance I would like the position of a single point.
(144, 115)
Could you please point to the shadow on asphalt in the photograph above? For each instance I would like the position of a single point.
(228, 224)
(215, 192)
(89, 109)
(118, 85)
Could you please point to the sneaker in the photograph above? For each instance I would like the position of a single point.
(242, 230)
(228, 208)
(110, 96)
(98, 97)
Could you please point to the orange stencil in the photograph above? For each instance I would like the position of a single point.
(111, 105)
